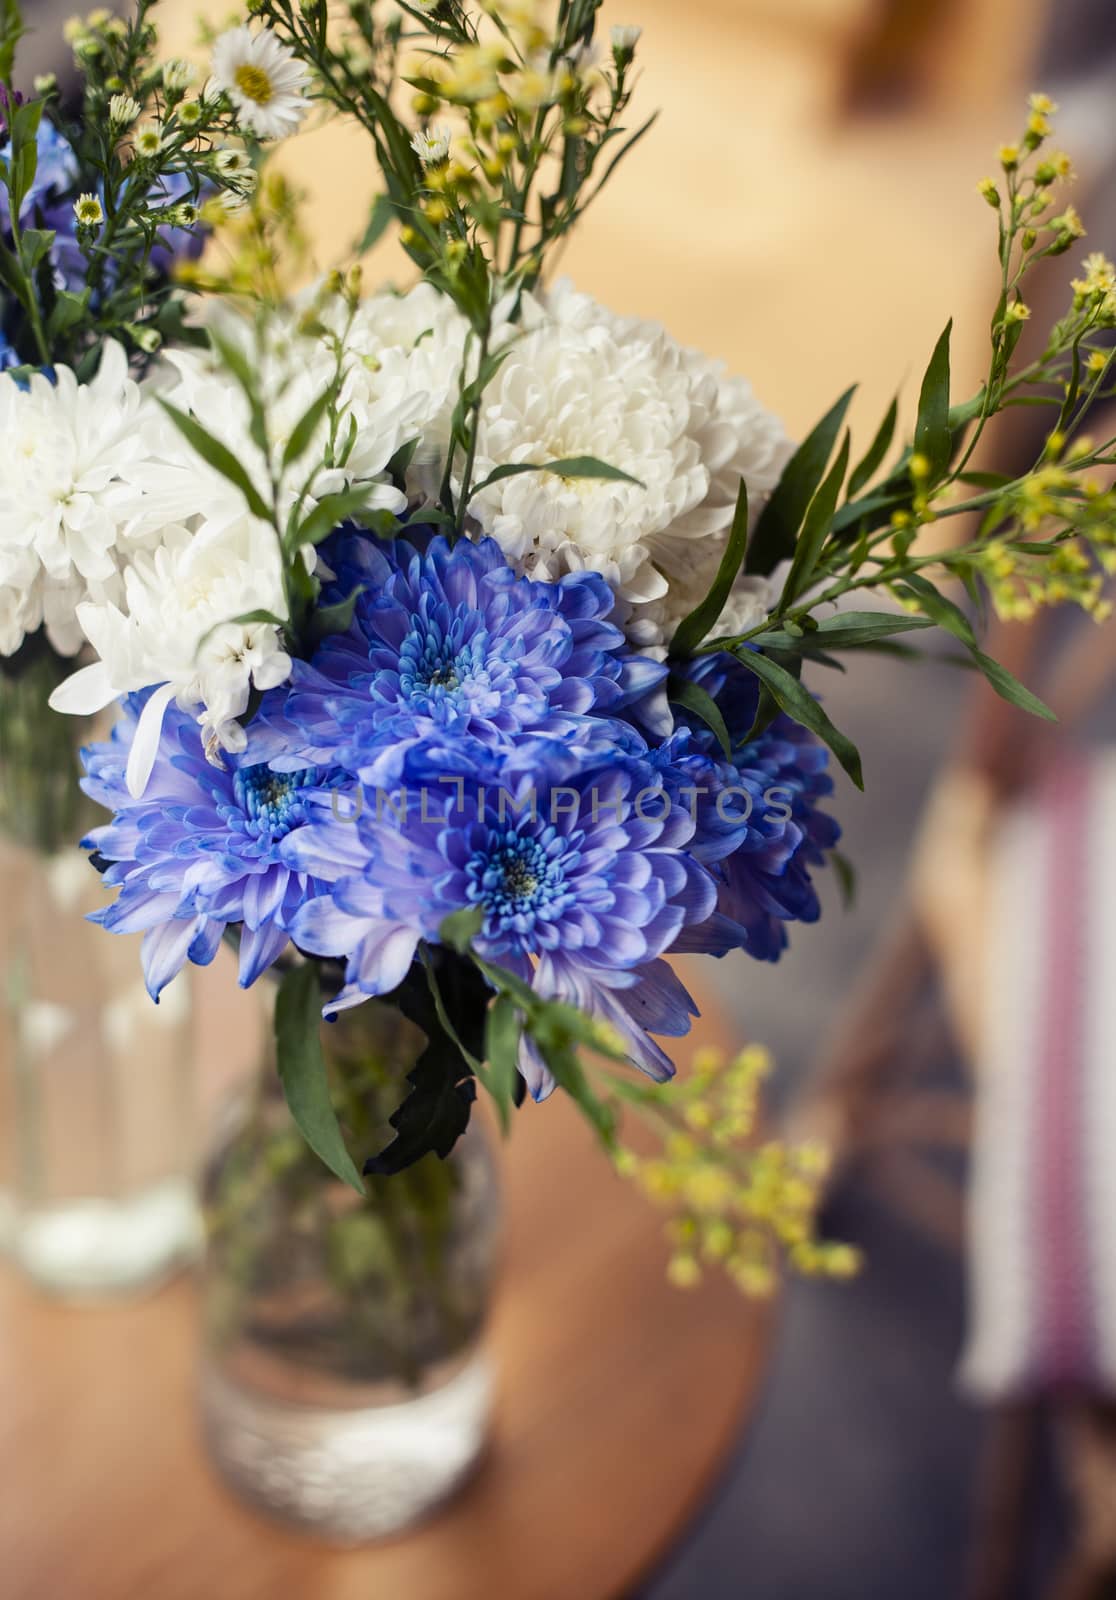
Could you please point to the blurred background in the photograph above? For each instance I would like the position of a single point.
(807, 208)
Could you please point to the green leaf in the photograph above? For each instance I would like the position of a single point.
(567, 467)
(218, 456)
(11, 31)
(337, 618)
(798, 703)
(777, 529)
(867, 469)
(944, 612)
(847, 629)
(433, 1116)
(503, 1031)
(460, 928)
(380, 219)
(307, 425)
(25, 152)
(694, 629)
(846, 877)
(815, 528)
(436, 1112)
(1009, 688)
(701, 704)
(570, 1075)
(36, 244)
(67, 312)
(302, 1071)
(932, 433)
(236, 363)
(330, 511)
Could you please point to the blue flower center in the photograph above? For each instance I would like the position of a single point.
(272, 801)
(520, 881)
(437, 664)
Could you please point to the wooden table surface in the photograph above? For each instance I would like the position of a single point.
(619, 1400)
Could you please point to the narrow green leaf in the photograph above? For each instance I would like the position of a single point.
(881, 444)
(847, 629)
(696, 700)
(502, 1034)
(777, 529)
(932, 433)
(329, 513)
(302, 1071)
(938, 607)
(694, 629)
(815, 528)
(25, 152)
(218, 456)
(570, 1076)
(338, 618)
(568, 467)
(1009, 687)
(380, 219)
(798, 703)
(305, 428)
(846, 877)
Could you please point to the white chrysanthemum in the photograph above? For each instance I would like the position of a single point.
(173, 630)
(263, 79)
(580, 381)
(380, 411)
(67, 509)
(413, 344)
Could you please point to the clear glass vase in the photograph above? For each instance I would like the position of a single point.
(97, 1154)
(345, 1387)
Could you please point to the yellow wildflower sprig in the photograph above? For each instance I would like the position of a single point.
(735, 1200)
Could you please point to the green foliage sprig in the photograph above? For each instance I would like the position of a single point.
(1045, 536)
(151, 156)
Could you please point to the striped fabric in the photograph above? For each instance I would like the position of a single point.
(1042, 1227)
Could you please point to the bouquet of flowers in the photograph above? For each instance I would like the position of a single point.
(462, 635)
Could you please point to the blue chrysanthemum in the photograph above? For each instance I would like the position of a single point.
(199, 851)
(449, 643)
(579, 867)
(758, 821)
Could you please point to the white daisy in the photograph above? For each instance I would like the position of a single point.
(432, 146)
(625, 37)
(263, 79)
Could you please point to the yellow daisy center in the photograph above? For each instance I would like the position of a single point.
(254, 83)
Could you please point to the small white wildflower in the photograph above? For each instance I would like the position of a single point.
(231, 163)
(178, 75)
(432, 146)
(189, 113)
(625, 37)
(262, 79)
(148, 140)
(87, 210)
(123, 110)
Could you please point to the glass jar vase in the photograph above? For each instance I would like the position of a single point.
(345, 1387)
(97, 1154)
